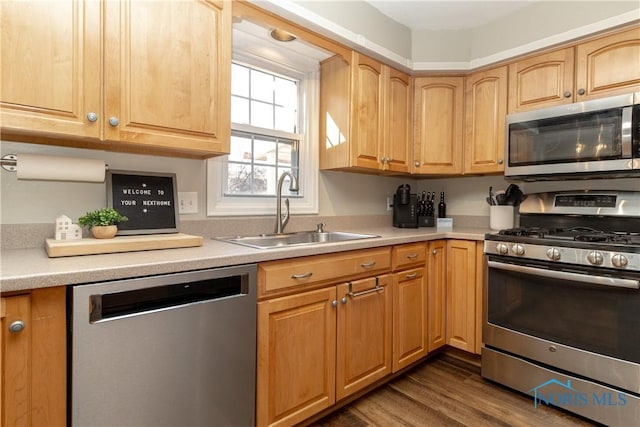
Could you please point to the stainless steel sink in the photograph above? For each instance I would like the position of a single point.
(268, 241)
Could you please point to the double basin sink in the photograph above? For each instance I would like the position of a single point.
(268, 241)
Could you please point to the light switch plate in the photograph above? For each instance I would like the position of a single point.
(187, 202)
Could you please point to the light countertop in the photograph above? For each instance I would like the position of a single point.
(23, 269)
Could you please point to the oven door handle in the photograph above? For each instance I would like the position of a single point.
(563, 275)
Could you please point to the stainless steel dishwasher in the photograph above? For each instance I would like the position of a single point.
(171, 350)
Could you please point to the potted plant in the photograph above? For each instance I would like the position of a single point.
(102, 222)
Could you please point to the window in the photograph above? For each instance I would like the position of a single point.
(264, 144)
(275, 96)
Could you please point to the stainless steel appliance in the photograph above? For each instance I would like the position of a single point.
(177, 349)
(562, 304)
(588, 139)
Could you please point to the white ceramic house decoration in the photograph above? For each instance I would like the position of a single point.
(67, 230)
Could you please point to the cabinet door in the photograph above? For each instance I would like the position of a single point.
(34, 359)
(409, 317)
(398, 122)
(367, 112)
(608, 66)
(438, 128)
(50, 68)
(436, 293)
(296, 357)
(167, 74)
(486, 108)
(335, 117)
(541, 81)
(461, 294)
(364, 334)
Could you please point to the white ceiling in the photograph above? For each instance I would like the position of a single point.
(447, 14)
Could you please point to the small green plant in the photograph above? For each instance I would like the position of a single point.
(101, 217)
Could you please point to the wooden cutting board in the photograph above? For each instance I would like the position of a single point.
(60, 248)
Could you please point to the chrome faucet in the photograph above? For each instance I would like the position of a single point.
(281, 222)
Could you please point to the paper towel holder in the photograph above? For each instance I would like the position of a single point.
(9, 162)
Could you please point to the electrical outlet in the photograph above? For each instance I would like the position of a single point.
(188, 202)
(389, 203)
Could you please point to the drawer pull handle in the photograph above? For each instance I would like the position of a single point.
(377, 288)
(368, 264)
(412, 256)
(302, 276)
(411, 276)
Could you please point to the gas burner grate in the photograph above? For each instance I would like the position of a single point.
(525, 232)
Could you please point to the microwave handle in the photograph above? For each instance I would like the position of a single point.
(626, 137)
(563, 275)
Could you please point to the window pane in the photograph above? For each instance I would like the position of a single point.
(265, 152)
(240, 149)
(285, 119)
(264, 180)
(239, 178)
(286, 92)
(239, 110)
(262, 86)
(261, 114)
(239, 80)
(284, 154)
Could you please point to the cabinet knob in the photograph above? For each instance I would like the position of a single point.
(92, 117)
(500, 161)
(16, 327)
(113, 121)
(581, 91)
(567, 94)
(343, 300)
(417, 164)
(334, 303)
(435, 252)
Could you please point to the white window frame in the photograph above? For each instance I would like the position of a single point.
(219, 204)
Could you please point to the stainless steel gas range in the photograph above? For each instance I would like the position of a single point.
(562, 304)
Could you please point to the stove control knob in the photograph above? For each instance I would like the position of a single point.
(553, 254)
(518, 249)
(595, 258)
(502, 248)
(619, 260)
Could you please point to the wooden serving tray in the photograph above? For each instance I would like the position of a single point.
(60, 248)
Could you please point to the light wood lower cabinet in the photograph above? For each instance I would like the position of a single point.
(437, 293)
(409, 317)
(319, 346)
(461, 294)
(33, 359)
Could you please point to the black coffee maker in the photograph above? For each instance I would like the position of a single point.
(405, 208)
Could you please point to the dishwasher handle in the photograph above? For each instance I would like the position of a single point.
(114, 305)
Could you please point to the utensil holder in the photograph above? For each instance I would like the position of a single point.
(501, 217)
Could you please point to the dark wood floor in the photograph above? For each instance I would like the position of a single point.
(446, 391)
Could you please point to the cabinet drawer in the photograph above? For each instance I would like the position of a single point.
(408, 255)
(283, 276)
(413, 274)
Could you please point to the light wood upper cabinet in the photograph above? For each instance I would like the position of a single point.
(484, 121)
(605, 66)
(363, 349)
(33, 360)
(438, 125)
(145, 76)
(365, 118)
(437, 293)
(461, 294)
(608, 66)
(51, 73)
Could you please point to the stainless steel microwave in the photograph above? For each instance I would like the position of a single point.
(597, 138)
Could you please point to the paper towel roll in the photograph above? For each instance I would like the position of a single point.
(48, 168)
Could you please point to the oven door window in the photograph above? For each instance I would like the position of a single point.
(582, 137)
(597, 318)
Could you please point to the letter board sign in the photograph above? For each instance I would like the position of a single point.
(148, 199)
